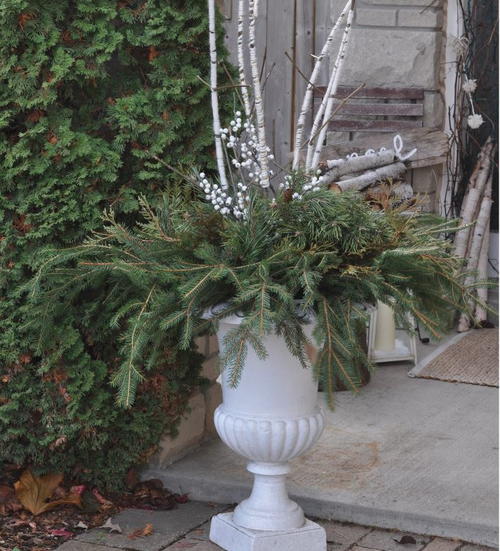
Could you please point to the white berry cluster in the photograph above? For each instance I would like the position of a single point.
(312, 185)
(287, 184)
(241, 147)
(241, 140)
(221, 199)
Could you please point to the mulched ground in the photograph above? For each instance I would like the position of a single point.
(22, 531)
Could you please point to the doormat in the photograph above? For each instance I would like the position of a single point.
(470, 358)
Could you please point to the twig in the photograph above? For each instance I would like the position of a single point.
(337, 109)
(296, 67)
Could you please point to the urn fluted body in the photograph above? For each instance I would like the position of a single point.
(270, 417)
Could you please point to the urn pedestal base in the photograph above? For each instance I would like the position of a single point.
(269, 507)
(232, 537)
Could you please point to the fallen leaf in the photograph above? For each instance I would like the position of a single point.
(77, 490)
(142, 532)
(16, 523)
(61, 533)
(101, 499)
(406, 539)
(112, 527)
(82, 525)
(33, 492)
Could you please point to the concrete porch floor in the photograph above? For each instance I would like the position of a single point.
(409, 454)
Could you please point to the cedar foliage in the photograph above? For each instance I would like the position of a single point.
(325, 255)
(91, 92)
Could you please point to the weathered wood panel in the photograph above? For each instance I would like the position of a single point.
(303, 61)
(279, 86)
(364, 125)
(376, 92)
(388, 109)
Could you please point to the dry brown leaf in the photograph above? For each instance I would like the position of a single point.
(112, 527)
(33, 492)
(105, 503)
(142, 532)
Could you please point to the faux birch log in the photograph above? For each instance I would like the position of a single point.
(482, 274)
(468, 213)
(475, 249)
(319, 119)
(257, 96)
(308, 96)
(337, 70)
(241, 59)
(341, 167)
(214, 96)
(371, 177)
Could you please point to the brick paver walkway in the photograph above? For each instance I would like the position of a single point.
(187, 528)
(345, 537)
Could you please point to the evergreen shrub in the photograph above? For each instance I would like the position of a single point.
(93, 93)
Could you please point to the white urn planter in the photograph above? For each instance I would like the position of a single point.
(270, 417)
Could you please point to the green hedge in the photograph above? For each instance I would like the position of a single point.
(91, 91)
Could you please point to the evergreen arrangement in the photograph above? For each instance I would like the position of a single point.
(324, 255)
(92, 94)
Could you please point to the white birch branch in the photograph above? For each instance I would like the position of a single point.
(481, 314)
(318, 120)
(257, 95)
(308, 96)
(241, 59)
(478, 180)
(475, 248)
(360, 182)
(214, 97)
(470, 205)
(314, 151)
(341, 167)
